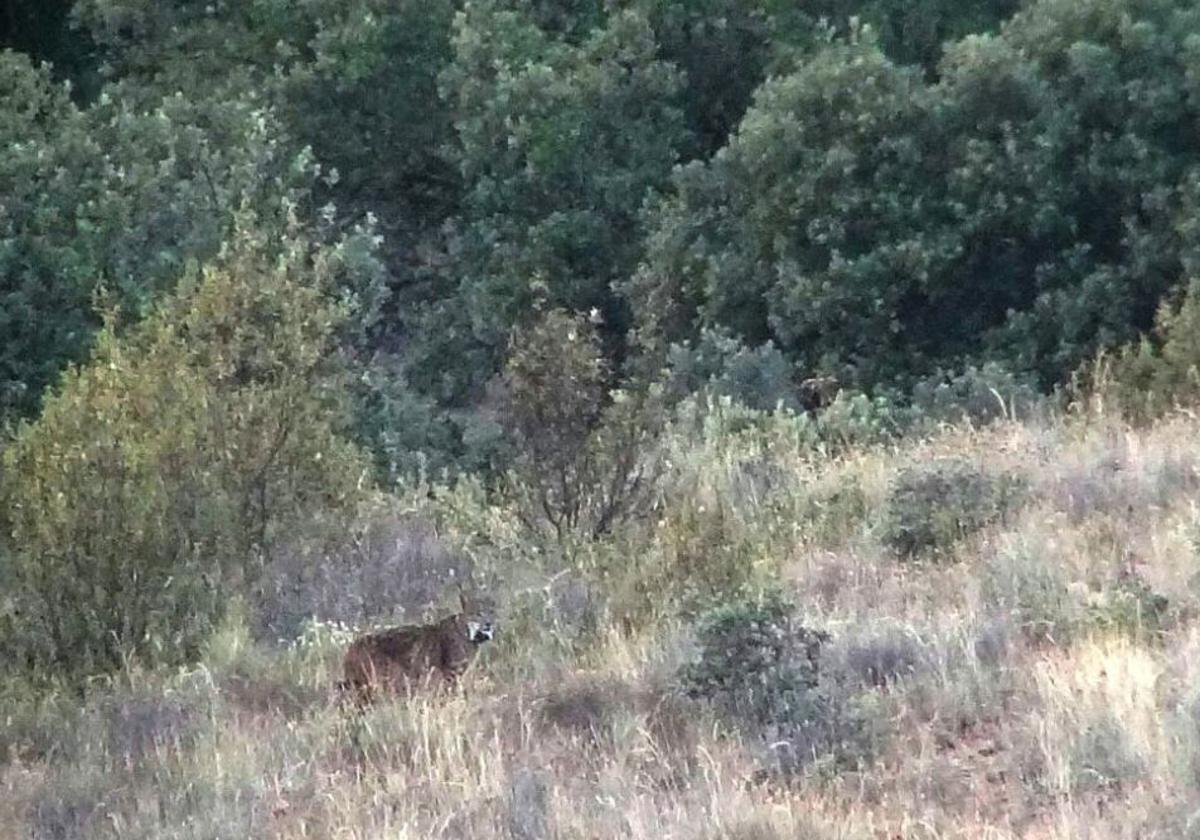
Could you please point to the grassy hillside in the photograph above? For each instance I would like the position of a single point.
(1014, 652)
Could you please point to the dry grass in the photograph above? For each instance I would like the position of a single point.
(1012, 692)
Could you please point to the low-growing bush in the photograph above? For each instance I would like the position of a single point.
(585, 706)
(883, 656)
(720, 365)
(761, 669)
(977, 395)
(931, 507)
(755, 658)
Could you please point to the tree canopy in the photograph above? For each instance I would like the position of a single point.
(869, 189)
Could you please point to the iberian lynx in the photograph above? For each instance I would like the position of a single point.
(400, 657)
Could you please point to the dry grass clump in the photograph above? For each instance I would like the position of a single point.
(386, 564)
(1042, 681)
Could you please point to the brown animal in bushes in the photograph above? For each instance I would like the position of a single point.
(818, 393)
(401, 658)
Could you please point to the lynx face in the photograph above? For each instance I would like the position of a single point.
(478, 615)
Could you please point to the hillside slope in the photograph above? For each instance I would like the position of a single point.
(1014, 652)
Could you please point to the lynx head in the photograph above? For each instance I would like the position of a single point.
(478, 615)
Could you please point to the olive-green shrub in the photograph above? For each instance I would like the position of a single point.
(165, 470)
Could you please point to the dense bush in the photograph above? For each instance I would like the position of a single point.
(166, 470)
(977, 395)
(755, 658)
(719, 364)
(584, 456)
(114, 201)
(1162, 370)
(931, 507)
(762, 670)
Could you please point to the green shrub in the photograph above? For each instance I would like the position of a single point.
(1162, 370)
(932, 507)
(754, 659)
(760, 669)
(857, 420)
(164, 472)
(584, 455)
(978, 395)
(720, 364)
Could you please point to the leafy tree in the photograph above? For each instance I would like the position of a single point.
(205, 49)
(558, 144)
(1115, 135)
(1025, 207)
(915, 33)
(112, 198)
(803, 229)
(43, 323)
(874, 187)
(355, 82)
(43, 30)
(168, 467)
(366, 99)
(725, 49)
